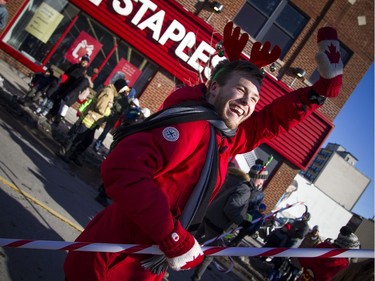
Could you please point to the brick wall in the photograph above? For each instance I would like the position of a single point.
(281, 179)
(157, 90)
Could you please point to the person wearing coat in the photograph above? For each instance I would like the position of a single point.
(73, 75)
(229, 208)
(324, 269)
(95, 116)
(152, 174)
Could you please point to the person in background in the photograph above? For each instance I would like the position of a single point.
(162, 178)
(324, 269)
(94, 117)
(300, 227)
(81, 87)
(4, 15)
(73, 74)
(228, 209)
(39, 84)
(47, 103)
(254, 227)
(121, 105)
(258, 175)
(311, 239)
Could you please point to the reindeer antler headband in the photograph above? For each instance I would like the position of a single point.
(234, 43)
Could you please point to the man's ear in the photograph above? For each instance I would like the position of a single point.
(214, 89)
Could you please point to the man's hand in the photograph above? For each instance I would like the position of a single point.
(330, 66)
(181, 249)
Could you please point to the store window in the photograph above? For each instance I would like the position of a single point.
(276, 21)
(55, 33)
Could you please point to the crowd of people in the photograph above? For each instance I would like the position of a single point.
(180, 189)
(110, 108)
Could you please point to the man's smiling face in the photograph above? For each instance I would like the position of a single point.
(235, 101)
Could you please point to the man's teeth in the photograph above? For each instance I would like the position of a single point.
(238, 111)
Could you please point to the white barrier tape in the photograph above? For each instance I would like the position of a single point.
(210, 251)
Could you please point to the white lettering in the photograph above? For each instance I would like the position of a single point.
(214, 61)
(96, 2)
(187, 42)
(155, 23)
(124, 11)
(170, 32)
(176, 32)
(199, 54)
(146, 4)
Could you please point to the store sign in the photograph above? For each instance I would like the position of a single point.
(124, 70)
(198, 55)
(44, 22)
(84, 44)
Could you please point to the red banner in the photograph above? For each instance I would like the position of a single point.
(84, 44)
(125, 70)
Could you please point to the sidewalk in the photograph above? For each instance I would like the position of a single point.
(15, 84)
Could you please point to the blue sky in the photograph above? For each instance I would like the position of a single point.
(354, 130)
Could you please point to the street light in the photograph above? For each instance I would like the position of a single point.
(299, 74)
(217, 8)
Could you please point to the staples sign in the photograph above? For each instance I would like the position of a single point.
(145, 15)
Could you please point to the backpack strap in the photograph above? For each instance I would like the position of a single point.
(171, 116)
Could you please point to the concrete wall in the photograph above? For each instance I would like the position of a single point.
(365, 233)
(342, 181)
(325, 212)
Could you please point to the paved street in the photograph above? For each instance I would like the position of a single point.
(44, 198)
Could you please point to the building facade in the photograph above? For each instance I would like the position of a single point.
(333, 171)
(160, 45)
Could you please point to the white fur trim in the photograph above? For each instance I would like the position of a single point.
(178, 262)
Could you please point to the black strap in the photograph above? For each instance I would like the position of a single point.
(182, 113)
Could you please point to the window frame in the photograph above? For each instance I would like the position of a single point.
(271, 21)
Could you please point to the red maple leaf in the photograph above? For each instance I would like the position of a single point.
(333, 54)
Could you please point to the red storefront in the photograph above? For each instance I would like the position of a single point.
(139, 39)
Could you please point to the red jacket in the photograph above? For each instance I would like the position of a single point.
(322, 269)
(150, 176)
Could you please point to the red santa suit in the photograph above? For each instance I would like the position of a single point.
(150, 176)
(322, 269)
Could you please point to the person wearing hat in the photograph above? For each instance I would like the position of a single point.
(311, 239)
(93, 118)
(258, 175)
(323, 269)
(121, 105)
(73, 74)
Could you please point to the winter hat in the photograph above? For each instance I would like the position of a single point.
(85, 58)
(120, 85)
(347, 239)
(146, 112)
(257, 171)
(262, 206)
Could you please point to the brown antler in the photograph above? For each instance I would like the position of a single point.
(261, 56)
(234, 43)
